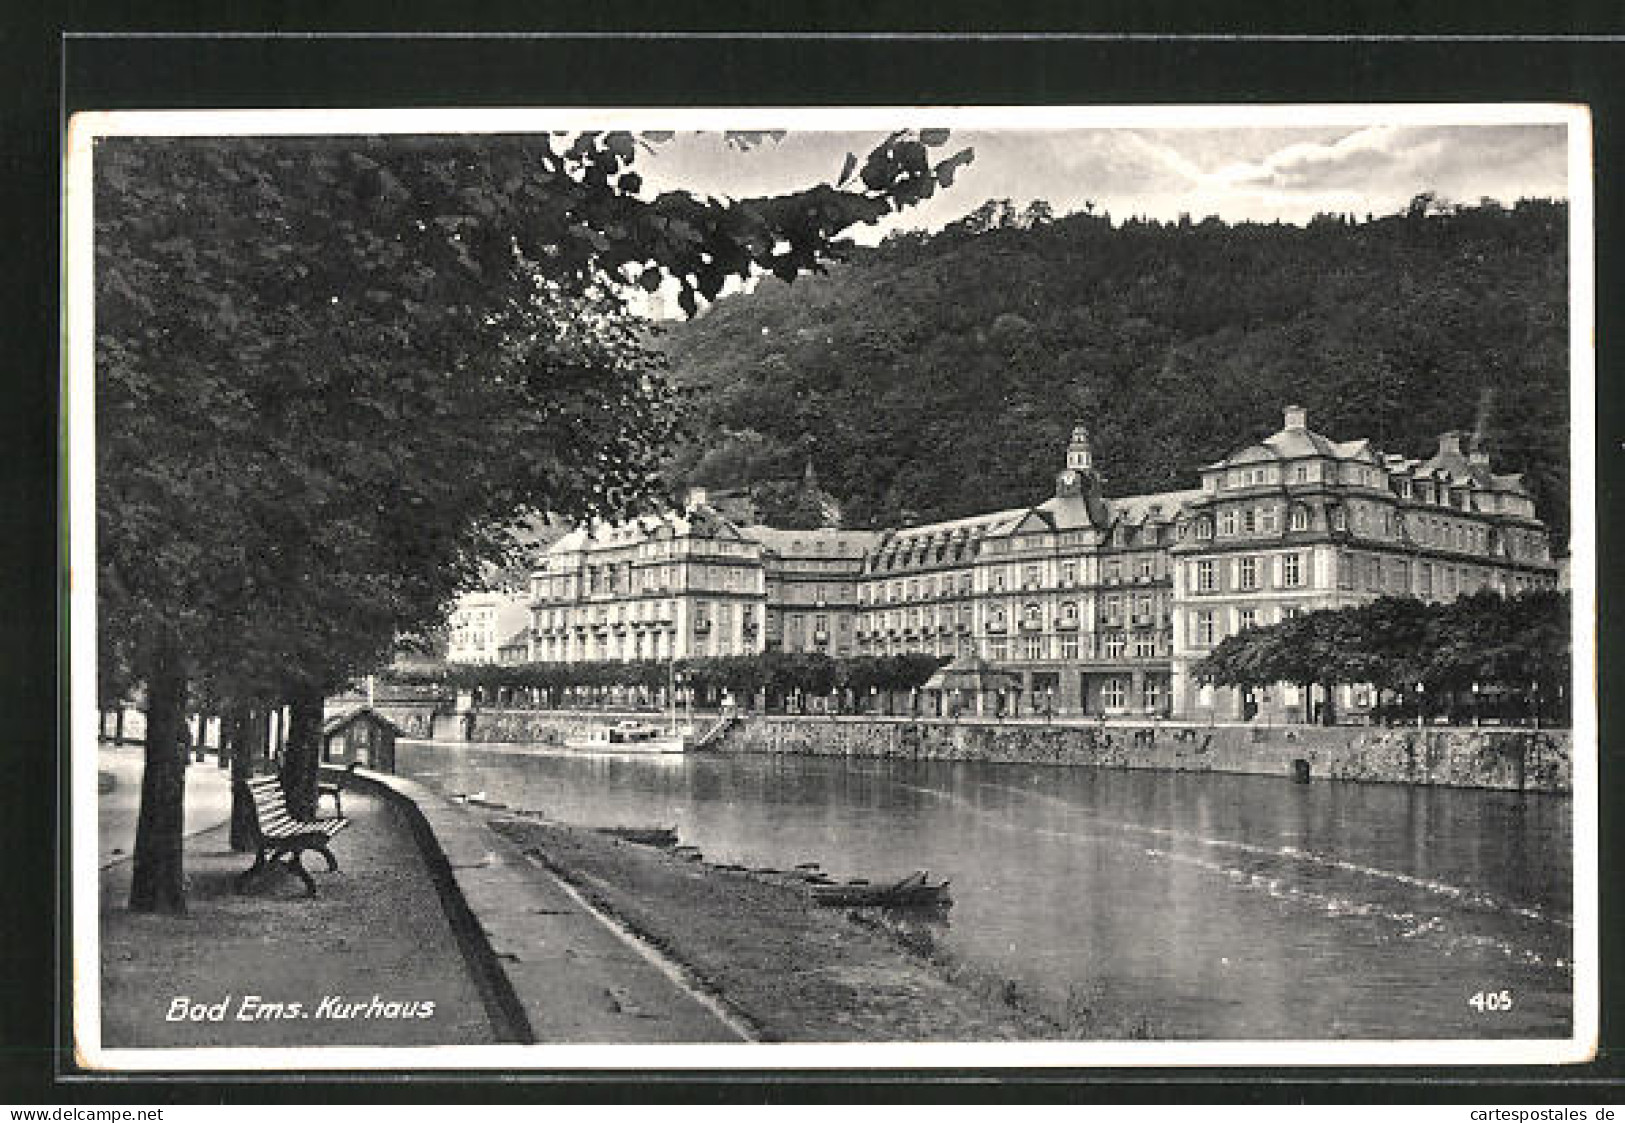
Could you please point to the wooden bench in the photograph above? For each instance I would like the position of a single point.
(278, 834)
(335, 787)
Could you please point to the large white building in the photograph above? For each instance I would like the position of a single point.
(1100, 605)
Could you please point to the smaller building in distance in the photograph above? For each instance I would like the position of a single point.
(360, 736)
(482, 622)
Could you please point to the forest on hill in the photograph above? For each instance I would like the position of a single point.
(936, 376)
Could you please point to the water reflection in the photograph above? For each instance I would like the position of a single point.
(1220, 906)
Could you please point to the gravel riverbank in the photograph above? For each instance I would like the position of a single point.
(791, 970)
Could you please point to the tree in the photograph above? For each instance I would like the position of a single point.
(332, 375)
(1394, 643)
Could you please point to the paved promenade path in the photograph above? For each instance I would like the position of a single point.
(377, 928)
(208, 800)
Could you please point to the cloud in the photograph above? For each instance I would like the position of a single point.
(1239, 174)
(1389, 161)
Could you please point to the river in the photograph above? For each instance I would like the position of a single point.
(1222, 906)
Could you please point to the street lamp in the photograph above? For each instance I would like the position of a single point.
(1476, 721)
(1421, 691)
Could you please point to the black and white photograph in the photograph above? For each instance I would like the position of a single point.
(897, 586)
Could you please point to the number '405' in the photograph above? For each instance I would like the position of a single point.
(1491, 1001)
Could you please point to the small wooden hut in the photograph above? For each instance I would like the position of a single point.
(362, 735)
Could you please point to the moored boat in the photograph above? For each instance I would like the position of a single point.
(631, 737)
(647, 836)
(913, 891)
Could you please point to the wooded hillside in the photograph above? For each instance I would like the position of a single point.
(937, 376)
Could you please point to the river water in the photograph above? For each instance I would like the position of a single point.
(1221, 907)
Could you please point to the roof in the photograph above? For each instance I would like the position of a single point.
(823, 542)
(1164, 505)
(1294, 443)
(521, 637)
(1069, 513)
(700, 522)
(971, 526)
(340, 720)
(971, 672)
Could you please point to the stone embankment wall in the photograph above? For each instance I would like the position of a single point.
(1513, 759)
(547, 727)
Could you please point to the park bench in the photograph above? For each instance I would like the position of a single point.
(335, 787)
(278, 834)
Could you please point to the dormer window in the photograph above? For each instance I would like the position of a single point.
(1300, 518)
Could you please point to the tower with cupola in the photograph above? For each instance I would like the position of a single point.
(1079, 479)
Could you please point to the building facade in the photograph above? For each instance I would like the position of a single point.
(482, 622)
(1100, 605)
(1299, 522)
(811, 579)
(660, 587)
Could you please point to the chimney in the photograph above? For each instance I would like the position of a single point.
(1476, 452)
(696, 498)
(1450, 443)
(1297, 417)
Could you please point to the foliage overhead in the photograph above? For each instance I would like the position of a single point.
(334, 373)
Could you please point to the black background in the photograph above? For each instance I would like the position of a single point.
(908, 54)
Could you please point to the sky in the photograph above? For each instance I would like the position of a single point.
(1258, 174)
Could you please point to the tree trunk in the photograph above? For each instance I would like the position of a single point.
(302, 755)
(237, 729)
(118, 725)
(227, 743)
(201, 745)
(1329, 710)
(157, 882)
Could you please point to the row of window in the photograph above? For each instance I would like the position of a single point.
(640, 611)
(1031, 575)
(916, 588)
(1207, 627)
(1354, 474)
(1378, 574)
(1108, 645)
(639, 645)
(1248, 572)
(1247, 521)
